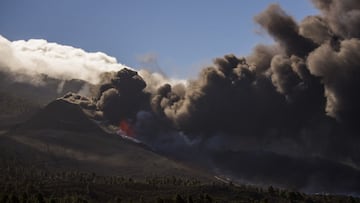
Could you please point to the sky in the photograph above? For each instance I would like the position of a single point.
(176, 38)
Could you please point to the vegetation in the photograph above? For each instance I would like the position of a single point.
(30, 183)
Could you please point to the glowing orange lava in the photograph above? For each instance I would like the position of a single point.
(126, 127)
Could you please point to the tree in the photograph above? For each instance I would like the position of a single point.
(39, 198)
(179, 199)
(118, 200)
(14, 199)
(271, 191)
(24, 197)
(190, 199)
(159, 200)
(4, 198)
(208, 199)
(141, 200)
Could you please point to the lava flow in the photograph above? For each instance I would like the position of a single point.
(126, 128)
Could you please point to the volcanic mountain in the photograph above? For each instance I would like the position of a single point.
(62, 114)
(64, 136)
(67, 134)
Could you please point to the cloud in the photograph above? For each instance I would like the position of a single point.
(123, 97)
(148, 59)
(37, 57)
(284, 30)
(342, 17)
(150, 62)
(340, 74)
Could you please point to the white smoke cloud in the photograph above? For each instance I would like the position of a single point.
(154, 80)
(34, 57)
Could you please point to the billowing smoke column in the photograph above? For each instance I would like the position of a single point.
(302, 90)
(230, 97)
(285, 31)
(250, 96)
(122, 97)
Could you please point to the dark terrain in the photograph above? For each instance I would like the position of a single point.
(59, 153)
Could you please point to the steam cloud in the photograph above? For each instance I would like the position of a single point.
(33, 58)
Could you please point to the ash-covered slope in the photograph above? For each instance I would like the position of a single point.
(62, 114)
(62, 136)
(14, 110)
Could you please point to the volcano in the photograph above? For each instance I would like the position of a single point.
(63, 136)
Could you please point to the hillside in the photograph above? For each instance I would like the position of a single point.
(311, 174)
(61, 114)
(61, 136)
(28, 183)
(15, 110)
(39, 90)
(63, 154)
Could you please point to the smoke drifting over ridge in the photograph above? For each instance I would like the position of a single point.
(28, 60)
(36, 60)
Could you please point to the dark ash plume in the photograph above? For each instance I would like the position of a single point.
(340, 74)
(316, 29)
(282, 97)
(285, 31)
(297, 99)
(343, 17)
(123, 97)
(230, 97)
(261, 57)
